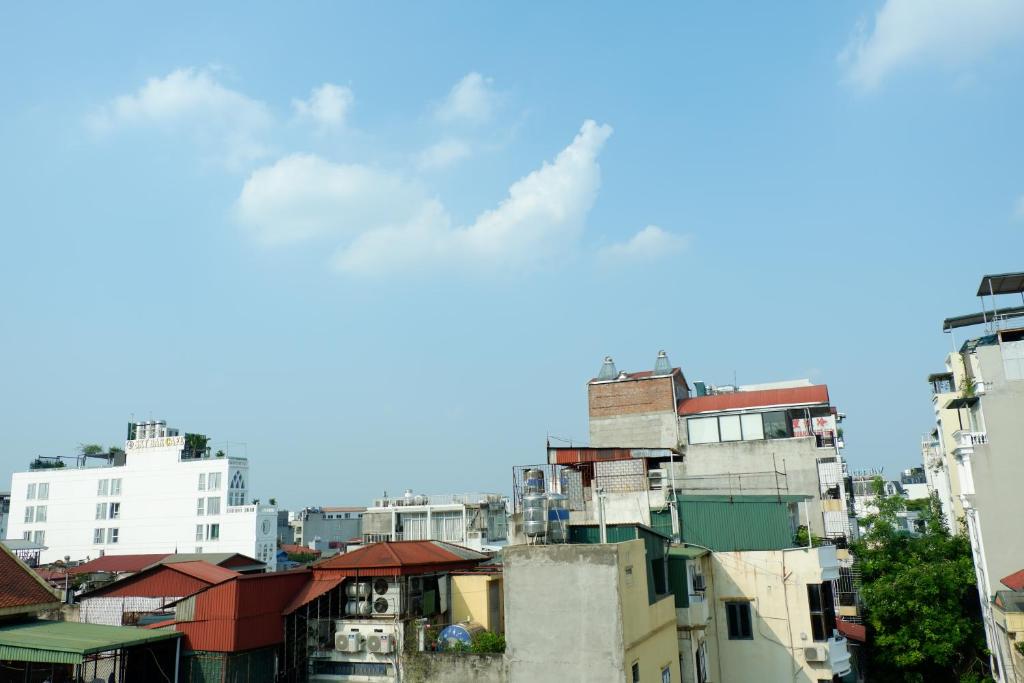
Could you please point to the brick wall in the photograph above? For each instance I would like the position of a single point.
(628, 397)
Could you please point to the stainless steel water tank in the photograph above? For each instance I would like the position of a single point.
(535, 515)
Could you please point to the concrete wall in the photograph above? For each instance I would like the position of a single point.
(643, 430)
(318, 524)
(471, 595)
(439, 667)
(635, 413)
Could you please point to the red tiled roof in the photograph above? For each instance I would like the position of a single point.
(118, 563)
(1014, 581)
(736, 400)
(403, 554)
(21, 589)
(858, 632)
(293, 549)
(50, 574)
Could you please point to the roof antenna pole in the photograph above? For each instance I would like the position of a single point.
(994, 312)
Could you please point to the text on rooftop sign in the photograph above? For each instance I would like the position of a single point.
(155, 442)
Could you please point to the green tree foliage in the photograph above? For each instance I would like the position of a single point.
(90, 449)
(920, 599)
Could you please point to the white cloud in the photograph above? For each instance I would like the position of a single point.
(327, 106)
(443, 154)
(649, 244)
(909, 32)
(192, 100)
(472, 99)
(386, 223)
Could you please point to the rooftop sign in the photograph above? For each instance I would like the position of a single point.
(156, 442)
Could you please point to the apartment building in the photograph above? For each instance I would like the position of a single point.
(165, 493)
(982, 419)
(474, 520)
(333, 526)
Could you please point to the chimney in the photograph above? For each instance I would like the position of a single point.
(608, 370)
(661, 365)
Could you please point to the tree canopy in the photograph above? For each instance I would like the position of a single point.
(920, 599)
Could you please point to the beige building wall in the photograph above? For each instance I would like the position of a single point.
(472, 596)
(648, 631)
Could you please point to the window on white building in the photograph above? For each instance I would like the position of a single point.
(753, 426)
(202, 481)
(103, 487)
(115, 511)
(199, 533)
(27, 535)
(729, 428)
(101, 510)
(44, 491)
(39, 537)
(200, 506)
(31, 493)
(213, 505)
(97, 536)
(213, 532)
(115, 487)
(214, 481)
(236, 496)
(40, 513)
(30, 514)
(112, 535)
(702, 429)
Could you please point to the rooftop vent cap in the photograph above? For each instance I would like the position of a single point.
(608, 370)
(661, 365)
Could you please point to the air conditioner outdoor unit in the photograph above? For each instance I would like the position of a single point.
(385, 597)
(698, 583)
(380, 643)
(815, 654)
(349, 642)
(656, 479)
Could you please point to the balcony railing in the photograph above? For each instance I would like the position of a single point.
(969, 439)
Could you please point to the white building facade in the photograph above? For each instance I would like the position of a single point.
(165, 497)
(473, 520)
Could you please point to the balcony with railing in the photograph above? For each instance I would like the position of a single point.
(967, 439)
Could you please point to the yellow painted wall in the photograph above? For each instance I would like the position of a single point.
(648, 631)
(470, 600)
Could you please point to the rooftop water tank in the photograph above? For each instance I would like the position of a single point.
(457, 633)
(534, 481)
(535, 515)
(558, 518)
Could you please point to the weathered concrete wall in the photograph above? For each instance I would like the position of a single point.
(563, 621)
(637, 430)
(439, 667)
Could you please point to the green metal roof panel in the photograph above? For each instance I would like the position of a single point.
(686, 551)
(724, 526)
(677, 580)
(68, 642)
(744, 498)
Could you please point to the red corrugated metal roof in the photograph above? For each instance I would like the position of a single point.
(568, 456)
(293, 549)
(118, 563)
(313, 590)
(737, 400)
(166, 581)
(20, 587)
(858, 632)
(402, 557)
(1014, 581)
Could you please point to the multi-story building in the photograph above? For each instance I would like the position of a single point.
(166, 493)
(983, 422)
(766, 434)
(334, 526)
(473, 520)
(5, 512)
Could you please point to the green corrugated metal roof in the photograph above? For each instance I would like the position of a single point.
(724, 523)
(744, 498)
(68, 642)
(688, 551)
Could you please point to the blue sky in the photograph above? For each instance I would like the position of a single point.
(387, 246)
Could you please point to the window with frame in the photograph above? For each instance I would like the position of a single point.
(212, 532)
(40, 513)
(115, 487)
(213, 505)
(636, 672)
(199, 532)
(115, 511)
(202, 481)
(666, 674)
(823, 610)
(44, 491)
(30, 514)
(101, 510)
(98, 535)
(113, 534)
(31, 493)
(213, 481)
(738, 620)
(39, 537)
(776, 426)
(103, 487)
(200, 506)
(26, 535)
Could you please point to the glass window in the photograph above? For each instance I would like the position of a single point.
(199, 532)
(27, 535)
(39, 537)
(40, 513)
(753, 427)
(30, 514)
(737, 616)
(702, 429)
(44, 491)
(112, 535)
(729, 427)
(214, 481)
(31, 494)
(97, 536)
(775, 425)
(115, 510)
(115, 487)
(213, 533)
(101, 510)
(822, 608)
(200, 506)
(636, 672)
(666, 675)
(202, 481)
(103, 487)
(213, 505)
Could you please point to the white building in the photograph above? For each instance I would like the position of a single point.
(166, 494)
(473, 520)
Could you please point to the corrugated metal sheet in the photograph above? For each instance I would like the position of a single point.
(159, 581)
(722, 523)
(67, 642)
(311, 591)
(402, 557)
(738, 400)
(118, 563)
